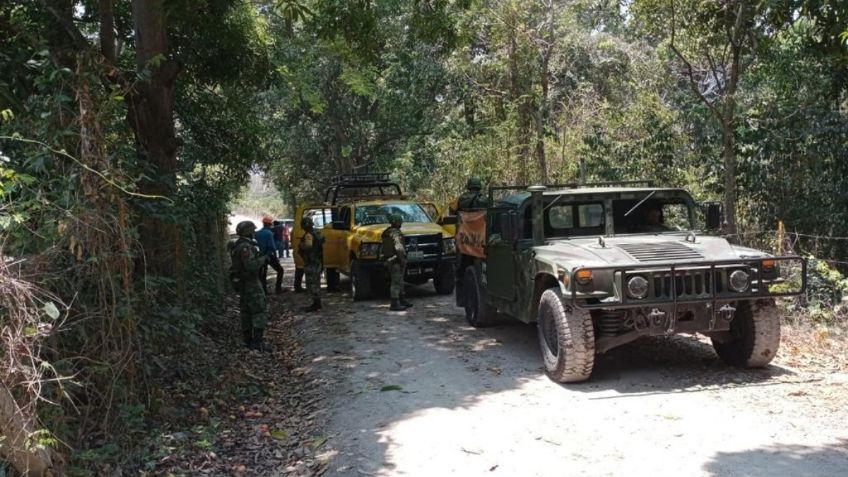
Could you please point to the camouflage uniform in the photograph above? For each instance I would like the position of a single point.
(310, 250)
(472, 198)
(246, 265)
(394, 257)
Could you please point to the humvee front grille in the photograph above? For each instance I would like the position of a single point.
(691, 283)
(660, 251)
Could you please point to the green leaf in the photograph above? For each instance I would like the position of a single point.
(391, 387)
(279, 434)
(51, 310)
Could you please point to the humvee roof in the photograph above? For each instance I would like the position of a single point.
(516, 200)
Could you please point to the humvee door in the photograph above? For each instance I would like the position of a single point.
(501, 250)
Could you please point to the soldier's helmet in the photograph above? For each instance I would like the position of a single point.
(306, 222)
(245, 229)
(474, 183)
(395, 219)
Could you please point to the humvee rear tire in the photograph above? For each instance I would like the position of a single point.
(477, 312)
(754, 336)
(444, 281)
(566, 338)
(360, 281)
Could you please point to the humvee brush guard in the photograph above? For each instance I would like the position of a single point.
(600, 265)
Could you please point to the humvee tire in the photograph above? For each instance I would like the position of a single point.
(754, 336)
(566, 338)
(360, 281)
(477, 312)
(444, 280)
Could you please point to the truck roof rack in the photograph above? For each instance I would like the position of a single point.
(361, 186)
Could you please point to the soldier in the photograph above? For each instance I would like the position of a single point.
(268, 247)
(247, 263)
(472, 198)
(310, 250)
(394, 255)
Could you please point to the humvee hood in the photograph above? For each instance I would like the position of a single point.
(643, 249)
(408, 228)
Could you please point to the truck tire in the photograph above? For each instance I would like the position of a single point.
(332, 275)
(478, 313)
(754, 336)
(566, 338)
(444, 280)
(360, 281)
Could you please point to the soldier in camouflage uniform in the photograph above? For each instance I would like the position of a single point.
(472, 198)
(394, 256)
(310, 250)
(247, 263)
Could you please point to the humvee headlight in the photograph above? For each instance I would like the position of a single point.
(369, 250)
(637, 287)
(739, 281)
(584, 277)
(449, 246)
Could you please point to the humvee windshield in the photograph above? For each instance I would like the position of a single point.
(576, 219)
(652, 216)
(379, 214)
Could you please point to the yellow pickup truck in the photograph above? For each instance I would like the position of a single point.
(352, 218)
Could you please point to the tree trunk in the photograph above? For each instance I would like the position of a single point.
(729, 154)
(27, 459)
(151, 115)
(107, 31)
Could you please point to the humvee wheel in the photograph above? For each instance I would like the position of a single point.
(478, 313)
(754, 336)
(360, 281)
(566, 337)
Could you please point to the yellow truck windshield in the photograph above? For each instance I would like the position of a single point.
(379, 213)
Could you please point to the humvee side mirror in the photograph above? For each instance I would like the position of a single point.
(713, 214)
(447, 220)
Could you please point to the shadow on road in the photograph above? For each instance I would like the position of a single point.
(783, 460)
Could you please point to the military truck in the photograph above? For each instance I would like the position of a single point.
(352, 218)
(597, 266)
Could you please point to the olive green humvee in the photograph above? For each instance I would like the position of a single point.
(600, 265)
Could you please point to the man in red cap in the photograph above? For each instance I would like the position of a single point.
(267, 247)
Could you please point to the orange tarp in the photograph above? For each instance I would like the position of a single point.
(471, 236)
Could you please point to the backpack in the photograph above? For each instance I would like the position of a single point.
(235, 272)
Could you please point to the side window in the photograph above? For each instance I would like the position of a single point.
(344, 216)
(565, 220)
(562, 217)
(591, 215)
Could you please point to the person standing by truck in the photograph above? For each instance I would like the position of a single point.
(472, 198)
(246, 264)
(267, 247)
(310, 250)
(394, 256)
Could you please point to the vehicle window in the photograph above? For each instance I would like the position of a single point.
(379, 214)
(344, 215)
(565, 220)
(652, 216)
(320, 217)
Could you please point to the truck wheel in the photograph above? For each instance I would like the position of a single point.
(478, 313)
(754, 336)
(332, 279)
(360, 281)
(444, 280)
(566, 337)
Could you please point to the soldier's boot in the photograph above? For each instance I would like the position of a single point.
(403, 302)
(315, 306)
(259, 341)
(396, 306)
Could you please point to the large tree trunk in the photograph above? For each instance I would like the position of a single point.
(29, 460)
(151, 115)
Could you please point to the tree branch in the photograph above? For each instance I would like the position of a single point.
(690, 70)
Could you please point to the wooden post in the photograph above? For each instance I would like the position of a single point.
(780, 234)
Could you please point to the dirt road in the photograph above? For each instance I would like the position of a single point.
(421, 393)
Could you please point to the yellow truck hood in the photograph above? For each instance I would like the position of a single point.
(373, 233)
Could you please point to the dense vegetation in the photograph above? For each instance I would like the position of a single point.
(127, 128)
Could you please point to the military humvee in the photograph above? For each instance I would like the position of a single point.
(600, 265)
